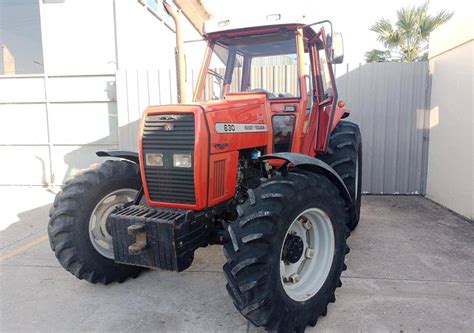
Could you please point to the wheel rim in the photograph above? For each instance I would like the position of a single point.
(99, 233)
(302, 279)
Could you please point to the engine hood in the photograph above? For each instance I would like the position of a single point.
(232, 101)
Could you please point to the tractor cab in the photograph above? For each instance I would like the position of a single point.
(288, 62)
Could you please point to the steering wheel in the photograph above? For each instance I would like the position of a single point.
(260, 90)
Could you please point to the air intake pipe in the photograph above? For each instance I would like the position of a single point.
(179, 52)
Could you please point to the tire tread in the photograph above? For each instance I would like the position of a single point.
(246, 270)
(64, 216)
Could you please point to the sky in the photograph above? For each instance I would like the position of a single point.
(352, 18)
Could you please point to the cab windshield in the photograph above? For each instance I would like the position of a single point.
(260, 63)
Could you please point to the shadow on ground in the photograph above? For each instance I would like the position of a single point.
(410, 269)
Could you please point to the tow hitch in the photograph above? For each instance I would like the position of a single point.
(137, 230)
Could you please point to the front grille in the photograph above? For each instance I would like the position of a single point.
(169, 134)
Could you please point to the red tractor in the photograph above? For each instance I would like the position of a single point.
(260, 162)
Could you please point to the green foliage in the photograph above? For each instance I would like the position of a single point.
(377, 56)
(407, 38)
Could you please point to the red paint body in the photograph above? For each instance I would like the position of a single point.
(212, 149)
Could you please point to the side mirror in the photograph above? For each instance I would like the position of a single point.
(336, 45)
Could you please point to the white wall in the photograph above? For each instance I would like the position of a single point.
(50, 126)
(143, 41)
(451, 151)
(80, 36)
(68, 114)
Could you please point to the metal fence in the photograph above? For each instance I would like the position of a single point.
(136, 90)
(390, 102)
(51, 126)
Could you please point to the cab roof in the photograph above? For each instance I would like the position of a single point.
(217, 27)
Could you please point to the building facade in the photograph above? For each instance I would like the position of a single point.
(451, 151)
(58, 86)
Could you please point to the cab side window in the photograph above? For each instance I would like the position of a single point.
(283, 126)
(309, 77)
(325, 79)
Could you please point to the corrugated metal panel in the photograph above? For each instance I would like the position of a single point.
(280, 78)
(136, 90)
(389, 102)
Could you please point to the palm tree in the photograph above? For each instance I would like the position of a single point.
(378, 56)
(407, 39)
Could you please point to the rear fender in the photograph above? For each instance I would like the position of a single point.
(308, 163)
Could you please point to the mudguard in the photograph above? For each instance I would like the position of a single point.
(308, 163)
(126, 155)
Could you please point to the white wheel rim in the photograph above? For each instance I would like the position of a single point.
(303, 279)
(99, 234)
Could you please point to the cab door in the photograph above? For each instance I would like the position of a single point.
(290, 112)
(327, 94)
(324, 98)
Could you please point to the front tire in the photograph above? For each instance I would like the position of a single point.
(260, 245)
(77, 228)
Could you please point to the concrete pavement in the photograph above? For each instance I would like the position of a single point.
(410, 269)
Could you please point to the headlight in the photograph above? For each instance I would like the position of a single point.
(154, 159)
(182, 160)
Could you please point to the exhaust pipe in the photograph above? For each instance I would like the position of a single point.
(179, 52)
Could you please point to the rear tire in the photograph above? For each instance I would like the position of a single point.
(255, 278)
(70, 216)
(344, 154)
